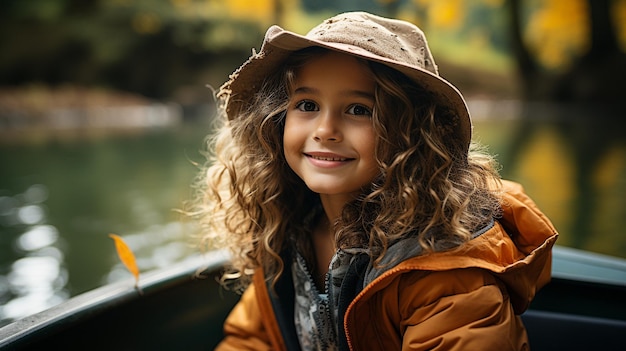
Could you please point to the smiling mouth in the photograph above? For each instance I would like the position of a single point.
(328, 158)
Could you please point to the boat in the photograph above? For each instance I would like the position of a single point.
(182, 307)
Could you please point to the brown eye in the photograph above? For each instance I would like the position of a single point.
(359, 110)
(307, 106)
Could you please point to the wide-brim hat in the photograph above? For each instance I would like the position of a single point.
(395, 43)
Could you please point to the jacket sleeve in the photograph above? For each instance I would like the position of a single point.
(243, 328)
(471, 311)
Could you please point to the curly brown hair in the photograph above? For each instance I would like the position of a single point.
(430, 189)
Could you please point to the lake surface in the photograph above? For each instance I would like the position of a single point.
(59, 200)
(61, 197)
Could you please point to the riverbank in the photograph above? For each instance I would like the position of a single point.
(36, 113)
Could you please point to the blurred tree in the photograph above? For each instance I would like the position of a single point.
(146, 46)
(575, 75)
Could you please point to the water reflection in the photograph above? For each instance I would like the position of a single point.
(59, 200)
(38, 237)
(37, 280)
(574, 155)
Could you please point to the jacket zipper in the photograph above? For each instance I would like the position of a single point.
(369, 287)
(324, 308)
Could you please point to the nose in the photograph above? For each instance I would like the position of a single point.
(328, 127)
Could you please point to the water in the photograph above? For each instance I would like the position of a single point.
(60, 199)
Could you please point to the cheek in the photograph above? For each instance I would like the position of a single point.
(292, 139)
(371, 163)
(367, 141)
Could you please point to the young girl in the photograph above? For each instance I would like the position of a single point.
(359, 214)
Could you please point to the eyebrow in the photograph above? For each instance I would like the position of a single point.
(348, 93)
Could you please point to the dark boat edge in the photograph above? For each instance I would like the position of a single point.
(198, 270)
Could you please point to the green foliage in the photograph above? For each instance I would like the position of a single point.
(144, 46)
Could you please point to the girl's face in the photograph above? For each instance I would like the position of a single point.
(329, 139)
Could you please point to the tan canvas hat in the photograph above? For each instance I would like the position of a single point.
(395, 43)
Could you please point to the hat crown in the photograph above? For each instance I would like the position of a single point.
(389, 38)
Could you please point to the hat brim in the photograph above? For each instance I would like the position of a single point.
(280, 43)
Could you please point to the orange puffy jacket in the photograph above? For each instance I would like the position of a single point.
(465, 299)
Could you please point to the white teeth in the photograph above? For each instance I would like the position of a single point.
(329, 158)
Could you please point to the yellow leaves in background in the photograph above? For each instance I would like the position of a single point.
(558, 30)
(450, 14)
(619, 13)
(250, 9)
(127, 257)
(446, 13)
(259, 11)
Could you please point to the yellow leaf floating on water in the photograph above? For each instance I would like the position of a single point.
(127, 257)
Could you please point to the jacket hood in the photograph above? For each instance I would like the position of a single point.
(516, 248)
